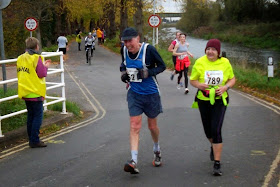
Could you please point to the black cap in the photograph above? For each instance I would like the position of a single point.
(129, 33)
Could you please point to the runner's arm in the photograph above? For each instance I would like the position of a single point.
(171, 47)
(156, 63)
(197, 84)
(41, 70)
(122, 66)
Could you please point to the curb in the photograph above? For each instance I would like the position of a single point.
(20, 135)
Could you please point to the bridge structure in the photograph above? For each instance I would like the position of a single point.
(167, 16)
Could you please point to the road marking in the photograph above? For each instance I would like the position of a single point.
(67, 129)
(264, 103)
(273, 166)
(257, 153)
(275, 109)
(56, 141)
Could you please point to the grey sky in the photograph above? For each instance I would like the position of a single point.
(170, 5)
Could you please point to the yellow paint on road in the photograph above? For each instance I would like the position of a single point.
(56, 141)
(257, 153)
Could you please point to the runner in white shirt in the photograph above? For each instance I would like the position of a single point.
(62, 43)
(89, 44)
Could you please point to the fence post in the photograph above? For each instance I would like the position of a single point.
(1, 135)
(45, 100)
(63, 88)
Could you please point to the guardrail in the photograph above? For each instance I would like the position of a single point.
(52, 86)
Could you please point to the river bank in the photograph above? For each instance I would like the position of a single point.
(237, 52)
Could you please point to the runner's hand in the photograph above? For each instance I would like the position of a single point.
(125, 78)
(142, 74)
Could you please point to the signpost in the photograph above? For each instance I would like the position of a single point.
(31, 24)
(3, 4)
(270, 69)
(154, 21)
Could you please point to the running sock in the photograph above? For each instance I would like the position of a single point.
(156, 147)
(134, 155)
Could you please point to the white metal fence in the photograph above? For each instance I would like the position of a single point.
(52, 86)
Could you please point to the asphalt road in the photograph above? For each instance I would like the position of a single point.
(93, 152)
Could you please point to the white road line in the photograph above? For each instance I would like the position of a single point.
(67, 129)
(266, 104)
(275, 109)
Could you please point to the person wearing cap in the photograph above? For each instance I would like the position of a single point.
(140, 65)
(213, 76)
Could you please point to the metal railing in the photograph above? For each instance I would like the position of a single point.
(52, 86)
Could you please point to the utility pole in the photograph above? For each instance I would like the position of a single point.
(154, 27)
(3, 4)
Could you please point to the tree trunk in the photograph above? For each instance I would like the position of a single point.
(38, 36)
(124, 16)
(112, 28)
(138, 18)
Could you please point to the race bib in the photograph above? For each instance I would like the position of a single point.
(213, 77)
(181, 57)
(132, 73)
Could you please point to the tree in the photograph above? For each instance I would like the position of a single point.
(138, 18)
(124, 16)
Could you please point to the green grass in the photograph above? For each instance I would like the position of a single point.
(256, 78)
(259, 36)
(18, 121)
(70, 106)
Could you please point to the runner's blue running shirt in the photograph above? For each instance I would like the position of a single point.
(153, 62)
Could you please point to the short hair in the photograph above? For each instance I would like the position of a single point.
(31, 43)
(183, 34)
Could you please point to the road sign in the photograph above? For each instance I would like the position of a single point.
(154, 20)
(4, 3)
(31, 24)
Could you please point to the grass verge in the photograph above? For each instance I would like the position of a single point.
(18, 121)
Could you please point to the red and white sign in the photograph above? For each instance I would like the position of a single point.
(31, 24)
(154, 20)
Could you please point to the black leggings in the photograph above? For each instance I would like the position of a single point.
(212, 117)
(185, 71)
(174, 60)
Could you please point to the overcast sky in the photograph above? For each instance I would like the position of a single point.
(170, 5)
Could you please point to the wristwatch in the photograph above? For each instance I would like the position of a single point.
(227, 87)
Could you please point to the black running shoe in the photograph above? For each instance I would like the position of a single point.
(130, 166)
(211, 154)
(217, 169)
(157, 159)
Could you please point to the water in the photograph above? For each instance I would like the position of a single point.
(197, 47)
